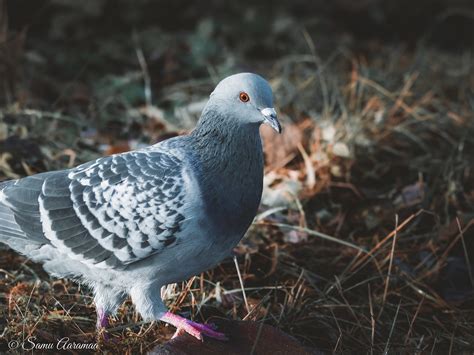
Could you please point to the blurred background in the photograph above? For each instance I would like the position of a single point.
(364, 239)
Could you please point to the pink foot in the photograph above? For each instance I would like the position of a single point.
(197, 330)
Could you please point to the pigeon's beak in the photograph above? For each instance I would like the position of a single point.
(270, 117)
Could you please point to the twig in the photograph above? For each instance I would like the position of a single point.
(446, 252)
(314, 233)
(387, 346)
(146, 75)
(241, 284)
(372, 320)
(259, 332)
(466, 254)
(269, 212)
(452, 339)
(413, 320)
(387, 280)
(45, 114)
(382, 242)
(385, 92)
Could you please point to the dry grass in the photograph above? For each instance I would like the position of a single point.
(370, 249)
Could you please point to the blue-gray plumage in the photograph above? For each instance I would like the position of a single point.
(131, 223)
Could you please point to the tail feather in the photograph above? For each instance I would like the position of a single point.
(8, 228)
(10, 232)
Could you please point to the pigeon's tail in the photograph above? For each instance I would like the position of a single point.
(10, 232)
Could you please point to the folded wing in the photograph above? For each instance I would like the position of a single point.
(110, 212)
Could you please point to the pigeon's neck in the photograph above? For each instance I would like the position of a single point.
(231, 167)
(222, 139)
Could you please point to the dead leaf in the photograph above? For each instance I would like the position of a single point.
(280, 148)
(295, 237)
(310, 173)
(280, 190)
(411, 195)
(341, 149)
(118, 147)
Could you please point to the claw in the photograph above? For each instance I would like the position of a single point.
(211, 325)
(197, 330)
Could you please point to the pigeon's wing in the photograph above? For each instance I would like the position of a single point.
(110, 212)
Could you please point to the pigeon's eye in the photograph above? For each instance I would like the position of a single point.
(244, 97)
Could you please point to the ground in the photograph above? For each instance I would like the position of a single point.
(364, 240)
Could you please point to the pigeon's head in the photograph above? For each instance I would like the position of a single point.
(248, 98)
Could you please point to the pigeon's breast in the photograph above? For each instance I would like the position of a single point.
(231, 197)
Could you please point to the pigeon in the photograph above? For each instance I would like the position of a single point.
(129, 224)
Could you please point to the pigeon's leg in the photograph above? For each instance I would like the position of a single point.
(102, 323)
(147, 300)
(107, 300)
(197, 330)
(102, 319)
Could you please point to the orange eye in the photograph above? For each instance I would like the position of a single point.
(244, 97)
